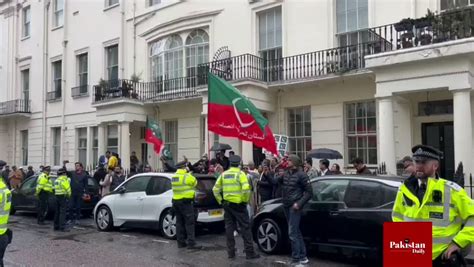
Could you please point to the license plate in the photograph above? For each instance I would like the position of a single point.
(215, 212)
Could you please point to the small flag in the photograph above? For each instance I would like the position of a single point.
(153, 135)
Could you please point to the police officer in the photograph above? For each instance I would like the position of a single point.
(426, 197)
(44, 188)
(5, 204)
(183, 185)
(62, 191)
(233, 191)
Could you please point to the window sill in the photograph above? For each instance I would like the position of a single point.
(81, 95)
(57, 27)
(25, 38)
(54, 100)
(111, 7)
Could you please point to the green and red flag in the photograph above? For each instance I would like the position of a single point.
(231, 114)
(153, 135)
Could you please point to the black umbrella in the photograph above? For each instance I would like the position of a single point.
(324, 153)
(220, 147)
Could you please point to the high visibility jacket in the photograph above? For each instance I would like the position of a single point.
(62, 186)
(44, 183)
(233, 185)
(183, 184)
(445, 204)
(5, 204)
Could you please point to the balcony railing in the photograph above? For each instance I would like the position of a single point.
(244, 66)
(79, 91)
(15, 106)
(54, 95)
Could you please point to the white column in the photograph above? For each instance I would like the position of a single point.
(247, 152)
(89, 156)
(386, 137)
(463, 130)
(101, 139)
(125, 144)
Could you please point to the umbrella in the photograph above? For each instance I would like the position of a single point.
(324, 153)
(220, 147)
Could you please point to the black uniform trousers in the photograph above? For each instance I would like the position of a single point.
(237, 214)
(60, 214)
(455, 261)
(3, 247)
(185, 221)
(43, 198)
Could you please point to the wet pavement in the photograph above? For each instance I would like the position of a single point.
(35, 245)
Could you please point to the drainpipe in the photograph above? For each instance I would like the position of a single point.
(279, 110)
(64, 74)
(134, 37)
(122, 39)
(45, 78)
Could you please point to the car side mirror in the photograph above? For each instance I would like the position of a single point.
(121, 190)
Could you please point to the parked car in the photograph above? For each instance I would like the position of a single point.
(345, 212)
(144, 200)
(24, 199)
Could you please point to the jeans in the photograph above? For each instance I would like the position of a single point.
(75, 207)
(298, 249)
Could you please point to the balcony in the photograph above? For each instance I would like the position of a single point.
(80, 91)
(18, 106)
(53, 96)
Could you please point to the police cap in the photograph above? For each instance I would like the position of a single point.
(62, 171)
(47, 168)
(423, 152)
(234, 159)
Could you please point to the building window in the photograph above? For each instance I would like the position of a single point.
(82, 73)
(197, 51)
(56, 147)
(452, 4)
(153, 2)
(57, 77)
(352, 16)
(26, 21)
(361, 132)
(112, 138)
(82, 145)
(109, 3)
(95, 145)
(112, 62)
(58, 9)
(270, 41)
(299, 131)
(25, 84)
(171, 137)
(24, 147)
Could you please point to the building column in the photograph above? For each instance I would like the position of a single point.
(125, 144)
(386, 136)
(247, 152)
(463, 130)
(101, 139)
(89, 156)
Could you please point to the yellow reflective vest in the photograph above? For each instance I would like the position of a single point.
(62, 186)
(183, 184)
(232, 186)
(445, 204)
(5, 200)
(44, 183)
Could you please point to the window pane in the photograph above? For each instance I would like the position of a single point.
(329, 190)
(362, 194)
(138, 184)
(371, 125)
(372, 156)
(270, 29)
(361, 126)
(307, 128)
(351, 124)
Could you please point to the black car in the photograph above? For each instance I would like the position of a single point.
(24, 199)
(345, 212)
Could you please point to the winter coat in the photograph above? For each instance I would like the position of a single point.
(296, 188)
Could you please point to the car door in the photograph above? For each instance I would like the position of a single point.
(128, 205)
(158, 197)
(320, 213)
(22, 197)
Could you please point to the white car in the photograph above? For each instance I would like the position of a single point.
(145, 199)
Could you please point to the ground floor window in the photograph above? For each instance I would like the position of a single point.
(361, 131)
(299, 131)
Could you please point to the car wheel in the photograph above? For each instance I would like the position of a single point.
(168, 225)
(269, 237)
(104, 219)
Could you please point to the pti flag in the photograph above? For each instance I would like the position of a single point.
(231, 114)
(153, 135)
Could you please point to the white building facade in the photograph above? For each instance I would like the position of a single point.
(78, 78)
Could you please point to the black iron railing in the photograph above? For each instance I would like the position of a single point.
(78, 91)
(15, 106)
(246, 66)
(54, 95)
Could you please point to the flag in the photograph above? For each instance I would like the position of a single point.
(153, 135)
(231, 114)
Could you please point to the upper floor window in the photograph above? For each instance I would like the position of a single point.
(26, 21)
(111, 54)
(109, 3)
(57, 76)
(352, 16)
(58, 9)
(153, 2)
(270, 33)
(82, 69)
(451, 4)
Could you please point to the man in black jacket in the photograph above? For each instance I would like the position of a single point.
(79, 189)
(296, 191)
(265, 184)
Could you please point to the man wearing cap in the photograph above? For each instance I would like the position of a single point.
(62, 191)
(44, 188)
(426, 197)
(183, 185)
(232, 189)
(296, 191)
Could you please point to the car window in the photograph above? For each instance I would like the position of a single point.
(368, 194)
(329, 190)
(137, 184)
(158, 185)
(28, 184)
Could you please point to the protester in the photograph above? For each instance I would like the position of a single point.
(168, 164)
(134, 162)
(100, 173)
(223, 160)
(265, 184)
(30, 172)
(79, 189)
(22, 172)
(309, 170)
(336, 169)
(105, 184)
(361, 167)
(147, 168)
(202, 165)
(16, 177)
(112, 162)
(6, 173)
(252, 168)
(324, 167)
(103, 159)
(117, 178)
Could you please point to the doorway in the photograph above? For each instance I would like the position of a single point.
(441, 136)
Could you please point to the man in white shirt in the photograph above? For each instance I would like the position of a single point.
(324, 167)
